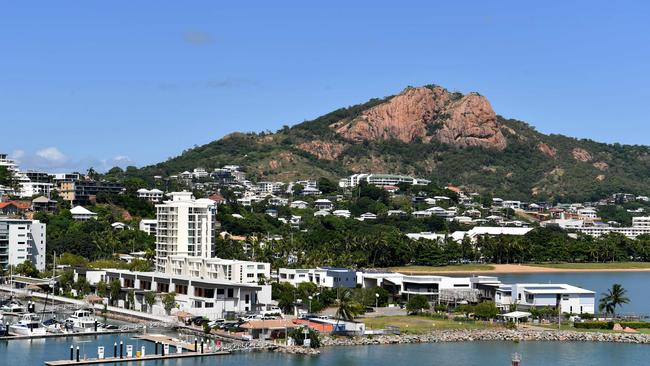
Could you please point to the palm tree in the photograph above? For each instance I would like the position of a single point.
(614, 297)
(347, 309)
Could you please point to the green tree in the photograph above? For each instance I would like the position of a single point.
(299, 336)
(102, 289)
(169, 301)
(131, 297)
(416, 304)
(150, 300)
(27, 268)
(346, 308)
(486, 310)
(613, 298)
(82, 286)
(115, 289)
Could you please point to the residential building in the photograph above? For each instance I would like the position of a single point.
(571, 299)
(342, 213)
(83, 192)
(218, 269)
(14, 207)
(186, 226)
(329, 277)
(630, 232)
(22, 240)
(299, 204)
(211, 298)
(311, 191)
(43, 204)
(641, 221)
(323, 204)
(149, 226)
(82, 214)
(434, 288)
(151, 195)
(199, 173)
(367, 216)
(31, 189)
(380, 180)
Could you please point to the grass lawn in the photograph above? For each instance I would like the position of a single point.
(422, 324)
(436, 269)
(615, 265)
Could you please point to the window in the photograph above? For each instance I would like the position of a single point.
(231, 292)
(247, 299)
(250, 275)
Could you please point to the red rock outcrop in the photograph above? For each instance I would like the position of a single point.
(547, 150)
(581, 155)
(323, 150)
(428, 113)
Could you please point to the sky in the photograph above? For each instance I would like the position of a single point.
(105, 83)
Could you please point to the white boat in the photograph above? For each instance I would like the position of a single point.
(52, 326)
(13, 307)
(83, 319)
(28, 325)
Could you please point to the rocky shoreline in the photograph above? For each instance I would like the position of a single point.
(488, 335)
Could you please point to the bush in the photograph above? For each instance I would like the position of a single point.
(594, 325)
(298, 335)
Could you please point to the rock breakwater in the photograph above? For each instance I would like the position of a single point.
(489, 335)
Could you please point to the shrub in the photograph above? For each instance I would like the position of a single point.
(594, 325)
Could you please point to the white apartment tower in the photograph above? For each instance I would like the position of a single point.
(20, 241)
(186, 226)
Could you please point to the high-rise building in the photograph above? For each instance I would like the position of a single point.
(186, 226)
(20, 241)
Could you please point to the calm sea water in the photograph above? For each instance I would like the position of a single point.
(20, 353)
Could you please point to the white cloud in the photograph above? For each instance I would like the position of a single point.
(52, 155)
(17, 155)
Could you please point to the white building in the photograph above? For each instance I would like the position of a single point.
(186, 226)
(149, 226)
(214, 299)
(82, 214)
(199, 173)
(329, 277)
(151, 195)
(342, 213)
(218, 269)
(630, 232)
(22, 240)
(571, 299)
(31, 189)
(299, 204)
(432, 287)
(323, 204)
(641, 221)
(380, 180)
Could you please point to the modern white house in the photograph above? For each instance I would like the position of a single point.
(152, 195)
(342, 213)
(432, 287)
(186, 226)
(22, 240)
(329, 277)
(299, 204)
(211, 298)
(380, 180)
(571, 299)
(31, 189)
(323, 204)
(149, 226)
(82, 214)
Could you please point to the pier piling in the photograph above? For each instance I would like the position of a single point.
(115, 350)
(71, 352)
(121, 349)
(77, 353)
(196, 341)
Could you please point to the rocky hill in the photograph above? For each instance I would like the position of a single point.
(433, 133)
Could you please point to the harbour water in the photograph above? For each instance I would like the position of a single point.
(36, 352)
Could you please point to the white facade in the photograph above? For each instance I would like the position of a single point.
(214, 299)
(380, 180)
(22, 240)
(149, 226)
(642, 221)
(630, 232)
(31, 189)
(186, 226)
(82, 214)
(405, 285)
(151, 195)
(322, 276)
(218, 269)
(571, 299)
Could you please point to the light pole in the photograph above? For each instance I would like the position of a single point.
(310, 298)
(376, 300)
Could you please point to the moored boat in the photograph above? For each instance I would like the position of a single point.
(29, 324)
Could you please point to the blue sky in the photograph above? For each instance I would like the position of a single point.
(134, 82)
